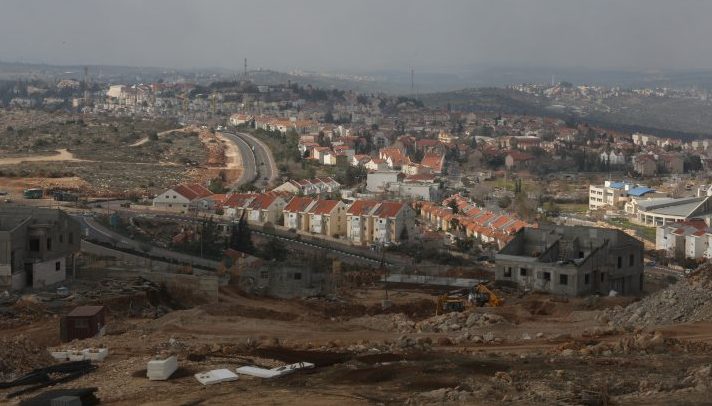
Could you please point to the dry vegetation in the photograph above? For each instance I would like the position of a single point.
(102, 151)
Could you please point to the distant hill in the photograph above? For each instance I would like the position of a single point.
(677, 118)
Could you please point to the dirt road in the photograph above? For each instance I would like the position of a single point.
(62, 155)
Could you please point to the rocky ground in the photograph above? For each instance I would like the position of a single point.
(534, 349)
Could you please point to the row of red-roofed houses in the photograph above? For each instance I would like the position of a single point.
(481, 224)
(363, 222)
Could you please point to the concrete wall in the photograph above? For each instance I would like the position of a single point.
(46, 273)
(155, 264)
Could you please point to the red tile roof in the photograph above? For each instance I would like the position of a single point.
(238, 199)
(323, 207)
(262, 201)
(388, 209)
(433, 161)
(361, 207)
(192, 191)
(298, 204)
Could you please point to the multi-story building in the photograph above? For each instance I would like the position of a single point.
(573, 260)
(614, 195)
(36, 246)
(382, 222)
(327, 217)
(689, 239)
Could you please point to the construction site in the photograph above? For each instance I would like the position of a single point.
(361, 341)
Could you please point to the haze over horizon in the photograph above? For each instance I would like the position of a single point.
(359, 36)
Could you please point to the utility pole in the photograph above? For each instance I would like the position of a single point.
(412, 81)
(245, 71)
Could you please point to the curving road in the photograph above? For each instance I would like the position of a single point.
(95, 231)
(258, 163)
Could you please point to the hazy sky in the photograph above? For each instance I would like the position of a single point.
(359, 34)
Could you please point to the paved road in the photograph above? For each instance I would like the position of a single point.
(95, 231)
(264, 170)
(249, 164)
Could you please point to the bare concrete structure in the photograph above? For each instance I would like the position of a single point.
(573, 260)
(36, 246)
(285, 281)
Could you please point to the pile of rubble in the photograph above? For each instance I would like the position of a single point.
(446, 323)
(19, 355)
(685, 301)
(640, 343)
(455, 322)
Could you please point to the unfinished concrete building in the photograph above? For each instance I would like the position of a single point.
(36, 246)
(573, 260)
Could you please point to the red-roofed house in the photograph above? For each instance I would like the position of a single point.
(434, 161)
(265, 208)
(327, 217)
(181, 198)
(394, 157)
(389, 221)
(295, 213)
(359, 228)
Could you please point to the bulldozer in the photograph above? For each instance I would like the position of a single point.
(449, 303)
(460, 300)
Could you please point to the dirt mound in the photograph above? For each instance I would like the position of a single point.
(686, 301)
(20, 355)
(222, 309)
(417, 309)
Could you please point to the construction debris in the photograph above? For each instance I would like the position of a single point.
(48, 376)
(274, 372)
(83, 396)
(19, 354)
(216, 376)
(161, 369)
(90, 354)
(684, 301)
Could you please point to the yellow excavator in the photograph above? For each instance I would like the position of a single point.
(457, 301)
(481, 295)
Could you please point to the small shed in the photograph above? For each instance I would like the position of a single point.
(82, 322)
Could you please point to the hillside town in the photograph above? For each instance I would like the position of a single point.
(212, 231)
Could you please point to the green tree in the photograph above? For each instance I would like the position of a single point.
(241, 236)
(274, 249)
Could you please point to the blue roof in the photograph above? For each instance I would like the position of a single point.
(640, 191)
(617, 185)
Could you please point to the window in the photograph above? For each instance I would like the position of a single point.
(61, 238)
(297, 276)
(264, 275)
(508, 272)
(563, 279)
(71, 238)
(49, 244)
(547, 276)
(57, 266)
(587, 279)
(35, 244)
(581, 254)
(523, 271)
(602, 277)
(620, 262)
(631, 260)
